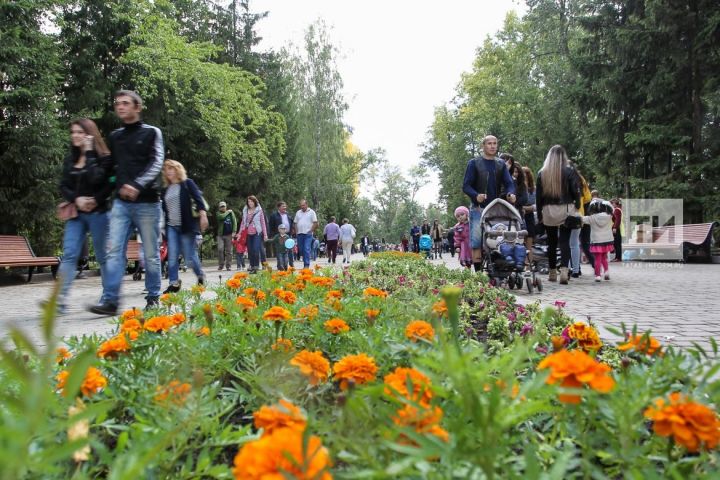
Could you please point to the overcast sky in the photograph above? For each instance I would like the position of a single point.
(400, 59)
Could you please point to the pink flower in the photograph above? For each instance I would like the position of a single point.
(512, 317)
(541, 349)
(526, 330)
(521, 309)
(559, 303)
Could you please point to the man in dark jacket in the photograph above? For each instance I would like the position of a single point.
(137, 154)
(277, 218)
(486, 178)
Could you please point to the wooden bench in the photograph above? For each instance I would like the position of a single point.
(677, 242)
(15, 251)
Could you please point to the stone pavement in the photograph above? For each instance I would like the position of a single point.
(678, 302)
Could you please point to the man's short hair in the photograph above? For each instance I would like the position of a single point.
(129, 93)
(485, 138)
(280, 204)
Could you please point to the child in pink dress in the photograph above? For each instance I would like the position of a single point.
(462, 236)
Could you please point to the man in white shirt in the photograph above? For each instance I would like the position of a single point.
(347, 238)
(306, 223)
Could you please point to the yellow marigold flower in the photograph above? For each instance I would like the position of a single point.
(309, 312)
(161, 323)
(322, 281)
(643, 344)
(336, 325)
(372, 313)
(375, 292)
(220, 308)
(174, 392)
(313, 365)
(178, 318)
(585, 335)
(234, 283)
(197, 289)
(246, 303)
(291, 269)
(282, 415)
(135, 313)
(691, 424)
(113, 346)
(277, 314)
(94, 381)
(283, 454)
(425, 420)
(397, 384)
(418, 329)
(203, 331)
(440, 308)
(358, 369)
(62, 354)
(283, 345)
(558, 343)
(240, 276)
(573, 368)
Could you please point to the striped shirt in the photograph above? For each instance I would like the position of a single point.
(172, 203)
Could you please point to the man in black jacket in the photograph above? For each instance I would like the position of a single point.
(138, 153)
(277, 218)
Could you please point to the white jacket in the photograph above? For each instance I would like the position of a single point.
(347, 233)
(601, 227)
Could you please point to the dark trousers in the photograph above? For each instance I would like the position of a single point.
(585, 244)
(558, 235)
(617, 240)
(331, 250)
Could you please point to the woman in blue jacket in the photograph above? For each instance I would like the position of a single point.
(185, 216)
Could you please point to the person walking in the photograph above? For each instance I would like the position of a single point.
(600, 218)
(277, 218)
(181, 223)
(227, 226)
(306, 223)
(138, 152)
(528, 211)
(281, 249)
(557, 197)
(86, 185)
(331, 233)
(617, 228)
(347, 238)
(451, 240)
(253, 222)
(436, 232)
(415, 235)
(365, 245)
(576, 235)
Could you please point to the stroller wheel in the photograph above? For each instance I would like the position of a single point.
(529, 285)
(538, 284)
(511, 282)
(137, 276)
(518, 281)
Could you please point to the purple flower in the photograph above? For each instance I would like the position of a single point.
(481, 306)
(521, 309)
(526, 330)
(512, 317)
(541, 349)
(559, 303)
(401, 279)
(435, 291)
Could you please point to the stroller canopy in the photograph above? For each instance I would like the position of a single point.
(499, 209)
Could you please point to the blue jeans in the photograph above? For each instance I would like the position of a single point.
(124, 216)
(574, 250)
(254, 246)
(476, 240)
(305, 241)
(240, 258)
(514, 253)
(176, 240)
(73, 237)
(282, 261)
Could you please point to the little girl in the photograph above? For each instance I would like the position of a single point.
(462, 236)
(601, 236)
(240, 250)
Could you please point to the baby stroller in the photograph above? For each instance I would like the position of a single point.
(503, 244)
(426, 245)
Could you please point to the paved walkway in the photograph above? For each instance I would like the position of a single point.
(679, 303)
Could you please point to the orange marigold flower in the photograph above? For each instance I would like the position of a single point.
(113, 346)
(287, 297)
(131, 325)
(585, 335)
(318, 267)
(62, 354)
(424, 420)
(291, 269)
(643, 344)
(691, 424)
(418, 329)
(203, 331)
(322, 281)
(245, 302)
(250, 291)
(220, 308)
(558, 342)
(94, 381)
(178, 318)
(309, 312)
(166, 299)
(135, 313)
(358, 369)
(174, 392)
(372, 313)
(375, 292)
(277, 314)
(573, 368)
(240, 276)
(335, 305)
(197, 289)
(397, 384)
(282, 415)
(312, 365)
(336, 325)
(161, 323)
(440, 308)
(282, 345)
(284, 453)
(234, 283)
(333, 294)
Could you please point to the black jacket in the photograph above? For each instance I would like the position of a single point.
(93, 180)
(275, 220)
(570, 191)
(138, 153)
(189, 194)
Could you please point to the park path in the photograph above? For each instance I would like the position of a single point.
(678, 302)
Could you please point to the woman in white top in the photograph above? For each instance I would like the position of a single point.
(347, 238)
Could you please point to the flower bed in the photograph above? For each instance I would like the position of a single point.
(392, 368)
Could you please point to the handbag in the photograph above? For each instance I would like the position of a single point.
(572, 222)
(195, 210)
(555, 215)
(66, 211)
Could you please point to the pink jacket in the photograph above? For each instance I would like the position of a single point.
(462, 240)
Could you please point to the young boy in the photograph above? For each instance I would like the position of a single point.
(240, 250)
(282, 251)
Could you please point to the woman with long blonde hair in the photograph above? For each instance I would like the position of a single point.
(558, 196)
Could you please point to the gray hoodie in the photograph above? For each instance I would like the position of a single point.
(601, 227)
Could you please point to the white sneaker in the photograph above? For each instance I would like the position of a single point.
(607, 276)
(598, 278)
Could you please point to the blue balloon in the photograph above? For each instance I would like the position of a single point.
(289, 243)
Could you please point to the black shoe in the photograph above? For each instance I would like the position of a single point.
(173, 287)
(575, 275)
(201, 280)
(107, 309)
(152, 302)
